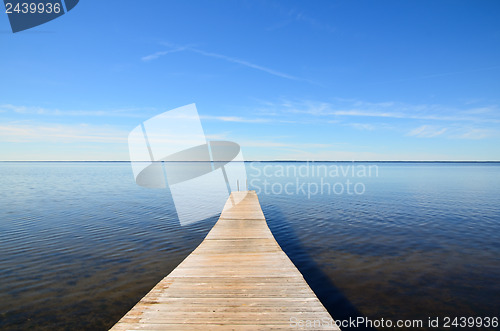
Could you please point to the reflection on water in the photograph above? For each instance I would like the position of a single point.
(81, 243)
(423, 240)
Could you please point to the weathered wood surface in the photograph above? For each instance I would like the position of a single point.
(238, 278)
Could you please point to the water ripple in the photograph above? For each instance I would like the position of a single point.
(80, 243)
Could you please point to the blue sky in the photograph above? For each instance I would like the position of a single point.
(305, 80)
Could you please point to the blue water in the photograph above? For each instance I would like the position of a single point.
(81, 243)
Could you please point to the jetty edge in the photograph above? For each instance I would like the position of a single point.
(238, 278)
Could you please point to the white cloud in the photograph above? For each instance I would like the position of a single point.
(345, 155)
(362, 126)
(157, 55)
(389, 110)
(293, 14)
(23, 133)
(245, 63)
(235, 119)
(30, 110)
(427, 131)
(263, 143)
(417, 120)
(476, 134)
(455, 132)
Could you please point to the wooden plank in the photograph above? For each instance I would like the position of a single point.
(222, 326)
(238, 278)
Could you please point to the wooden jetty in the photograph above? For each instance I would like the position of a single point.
(238, 278)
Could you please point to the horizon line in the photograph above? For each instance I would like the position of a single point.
(312, 161)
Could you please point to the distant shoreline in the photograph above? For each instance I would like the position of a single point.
(248, 161)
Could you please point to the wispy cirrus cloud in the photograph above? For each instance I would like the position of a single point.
(347, 155)
(237, 119)
(226, 58)
(389, 110)
(475, 133)
(362, 126)
(427, 131)
(266, 143)
(411, 120)
(293, 15)
(245, 63)
(33, 110)
(441, 74)
(59, 133)
(454, 132)
(157, 55)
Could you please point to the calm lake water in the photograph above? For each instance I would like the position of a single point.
(81, 243)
